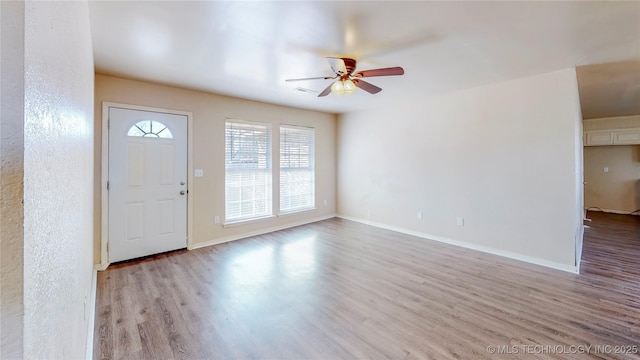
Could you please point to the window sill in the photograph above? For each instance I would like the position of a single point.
(297, 212)
(247, 221)
(235, 223)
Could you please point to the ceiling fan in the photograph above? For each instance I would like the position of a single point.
(348, 80)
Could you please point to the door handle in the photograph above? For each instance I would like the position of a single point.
(182, 192)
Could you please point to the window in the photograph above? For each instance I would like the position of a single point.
(149, 128)
(247, 170)
(297, 175)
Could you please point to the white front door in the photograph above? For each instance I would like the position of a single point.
(147, 183)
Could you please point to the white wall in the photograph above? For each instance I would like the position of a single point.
(610, 123)
(58, 179)
(580, 213)
(209, 114)
(618, 189)
(502, 156)
(11, 178)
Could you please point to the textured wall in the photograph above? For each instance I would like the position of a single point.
(11, 175)
(503, 156)
(58, 176)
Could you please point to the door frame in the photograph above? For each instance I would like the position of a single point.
(104, 174)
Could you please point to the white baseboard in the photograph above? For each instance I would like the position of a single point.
(92, 315)
(485, 249)
(258, 232)
(621, 212)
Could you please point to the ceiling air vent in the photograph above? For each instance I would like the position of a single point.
(305, 90)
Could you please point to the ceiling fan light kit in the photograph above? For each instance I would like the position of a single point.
(343, 87)
(348, 80)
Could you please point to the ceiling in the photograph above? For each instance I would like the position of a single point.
(611, 89)
(247, 49)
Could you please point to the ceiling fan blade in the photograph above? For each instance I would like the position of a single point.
(337, 65)
(381, 72)
(326, 91)
(313, 78)
(370, 88)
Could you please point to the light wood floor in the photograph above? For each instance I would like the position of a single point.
(342, 290)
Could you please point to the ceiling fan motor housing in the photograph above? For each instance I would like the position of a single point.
(350, 64)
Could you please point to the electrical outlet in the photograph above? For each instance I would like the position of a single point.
(199, 173)
(419, 215)
(216, 219)
(606, 169)
(325, 202)
(460, 221)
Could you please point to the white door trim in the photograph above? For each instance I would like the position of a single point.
(104, 194)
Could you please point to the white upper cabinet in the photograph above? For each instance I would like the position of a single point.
(620, 130)
(627, 137)
(612, 137)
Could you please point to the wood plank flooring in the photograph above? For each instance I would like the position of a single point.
(337, 289)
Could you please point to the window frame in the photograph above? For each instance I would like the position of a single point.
(268, 170)
(311, 168)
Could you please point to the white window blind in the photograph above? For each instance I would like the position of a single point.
(247, 170)
(297, 175)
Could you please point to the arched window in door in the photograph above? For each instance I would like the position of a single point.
(150, 128)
